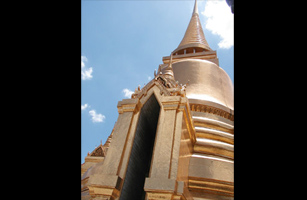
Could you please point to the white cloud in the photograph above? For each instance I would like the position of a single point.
(149, 78)
(96, 117)
(86, 73)
(83, 59)
(220, 22)
(127, 93)
(83, 107)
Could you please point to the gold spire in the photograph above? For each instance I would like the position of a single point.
(194, 36)
(195, 8)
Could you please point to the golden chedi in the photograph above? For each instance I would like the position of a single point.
(174, 138)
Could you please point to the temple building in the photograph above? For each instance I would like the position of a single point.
(174, 138)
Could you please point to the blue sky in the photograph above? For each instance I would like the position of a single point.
(123, 42)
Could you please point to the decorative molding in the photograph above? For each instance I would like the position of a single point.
(158, 196)
(211, 186)
(211, 109)
(213, 150)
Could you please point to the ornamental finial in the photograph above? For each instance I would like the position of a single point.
(195, 11)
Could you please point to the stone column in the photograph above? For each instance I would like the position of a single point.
(162, 183)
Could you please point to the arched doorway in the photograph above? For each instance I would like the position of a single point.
(141, 152)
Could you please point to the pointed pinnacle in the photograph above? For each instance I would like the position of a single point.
(195, 11)
(194, 35)
(169, 69)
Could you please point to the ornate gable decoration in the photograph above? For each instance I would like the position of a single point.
(101, 150)
(98, 152)
(168, 86)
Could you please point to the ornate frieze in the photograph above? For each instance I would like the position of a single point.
(211, 109)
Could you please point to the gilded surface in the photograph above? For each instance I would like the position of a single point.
(211, 168)
(206, 81)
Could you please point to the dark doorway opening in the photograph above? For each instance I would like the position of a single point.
(141, 152)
